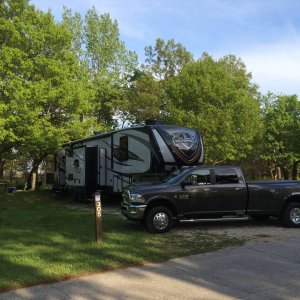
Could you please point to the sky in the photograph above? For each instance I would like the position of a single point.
(265, 34)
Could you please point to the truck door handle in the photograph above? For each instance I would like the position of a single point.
(238, 189)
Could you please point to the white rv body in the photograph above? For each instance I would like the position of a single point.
(111, 161)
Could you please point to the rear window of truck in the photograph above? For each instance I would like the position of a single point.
(226, 176)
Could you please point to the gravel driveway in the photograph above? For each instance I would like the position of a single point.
(250, 230)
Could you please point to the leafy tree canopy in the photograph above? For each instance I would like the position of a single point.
(218, 98)
(96, 41)
(166, 59)
(43, 89)
(282, 132)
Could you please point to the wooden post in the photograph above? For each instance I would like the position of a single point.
(98, 217)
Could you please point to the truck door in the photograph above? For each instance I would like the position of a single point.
(228, 191)
(214, 192)
(195, 196)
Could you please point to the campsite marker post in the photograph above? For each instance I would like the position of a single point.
(98, 217)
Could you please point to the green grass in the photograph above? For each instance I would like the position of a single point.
(43, 239)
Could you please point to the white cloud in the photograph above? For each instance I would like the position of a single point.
(275, 67)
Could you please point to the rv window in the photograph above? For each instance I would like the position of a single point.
(70, 152)
(76, 163)
(123, 152)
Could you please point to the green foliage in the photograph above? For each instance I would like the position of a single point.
(61, 81)
(218, 98)
(109, 65)
(282, 131)
(166, 59)
(145, 97)
(142, 101)
(43, 89)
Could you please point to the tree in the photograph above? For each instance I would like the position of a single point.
(166, 59)
(142, 101)
(15, 82)
(43, 87)
(282, 134)
(145, 96)
(218, 98)
(108, 63)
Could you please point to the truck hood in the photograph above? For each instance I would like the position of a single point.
(147, 188)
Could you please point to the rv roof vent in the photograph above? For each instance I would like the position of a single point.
(154, 122)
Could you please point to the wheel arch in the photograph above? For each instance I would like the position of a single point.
(161, 202)
(294, 198)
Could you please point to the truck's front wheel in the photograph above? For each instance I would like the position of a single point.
(159, 219)
(291, 215)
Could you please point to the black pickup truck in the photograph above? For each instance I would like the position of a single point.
(212, 192)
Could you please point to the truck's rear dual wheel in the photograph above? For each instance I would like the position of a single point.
(159, 219)
(291, 215)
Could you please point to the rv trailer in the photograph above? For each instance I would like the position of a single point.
(111, 161)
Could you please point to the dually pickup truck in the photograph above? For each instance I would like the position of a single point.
(216, 192)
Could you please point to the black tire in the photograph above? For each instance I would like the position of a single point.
(159, 219)
(260, 217)
(291, 215)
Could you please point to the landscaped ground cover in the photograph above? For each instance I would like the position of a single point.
(46, 239)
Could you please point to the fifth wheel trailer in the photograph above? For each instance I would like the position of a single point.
(114, 160)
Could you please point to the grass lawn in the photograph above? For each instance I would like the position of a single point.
(45, 239)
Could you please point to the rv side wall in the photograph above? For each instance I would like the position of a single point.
(75, 167)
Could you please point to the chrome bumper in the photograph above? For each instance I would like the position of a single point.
(133, 212)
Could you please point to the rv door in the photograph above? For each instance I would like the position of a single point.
(102, 167)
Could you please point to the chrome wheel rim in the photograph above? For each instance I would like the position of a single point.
(160, 220)
(295, 215)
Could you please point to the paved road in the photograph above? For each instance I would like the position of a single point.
(257, 271)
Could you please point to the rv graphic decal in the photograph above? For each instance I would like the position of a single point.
(184, 143)
(131, 155)
(184, 140)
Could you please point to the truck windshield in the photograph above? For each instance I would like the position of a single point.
(180, 174)
(171, 175)
(175, 173)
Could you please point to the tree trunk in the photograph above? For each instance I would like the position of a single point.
(33, 181)
(272, 173)
(275, 173)
(295, 170)
(32, 176)
(286, 173)
(279, 173)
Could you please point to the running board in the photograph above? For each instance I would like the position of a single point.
(216, 219)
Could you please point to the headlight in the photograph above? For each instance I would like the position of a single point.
(137, 198)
